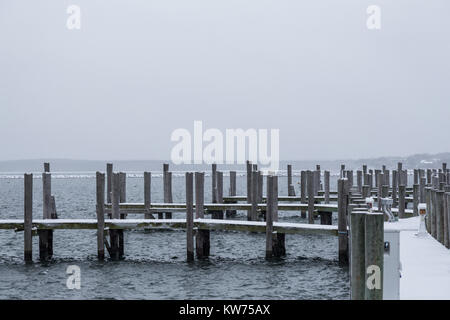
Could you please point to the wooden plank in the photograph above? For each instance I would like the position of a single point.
(203, 224)
(28, 217)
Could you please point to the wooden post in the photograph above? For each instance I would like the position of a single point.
(342, 174)
(342, 222)
(440, 216)
(189, 217)
(254, 196)
(147, 194)
(422, 185)
(115, 210)
(401, 201)
(123, 199)
(232, 192)
(374, 251)
(416, 199)
(357, 255)
(380, 189)
(109, 172)
(428, 218)
(359, 180)
(274, 241)
(219, 192)
(289, 180)
(28, 217)
(303, 191)
(202, 237)
(446, 221)
(447, 215)
(394, 188)
(100, 215)
(46, 167)
(269, 216)
(433, 213)
(214, 183)
(316, 182)
(249, 183)
(326, 179)
(310, 187)
(44, 235)
(167, 177)
(365, 191)
(429, 176)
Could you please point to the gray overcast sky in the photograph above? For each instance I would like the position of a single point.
(137, 70)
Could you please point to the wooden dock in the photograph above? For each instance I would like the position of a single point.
(316, 203)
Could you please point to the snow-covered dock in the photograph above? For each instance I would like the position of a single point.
(425, 263)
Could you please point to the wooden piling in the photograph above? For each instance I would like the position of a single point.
(394, 188)
(357, 255)
(28, 217)
(342, 222)
(167, 177)
(326, 179)
(422, 184)
(123, 199)
(147, 194)
(310, 187)
(365, 191)
(44, 235)
(401, 201)
(109, 172)
(428, 218)
(374, 256)
(440, 216)
(254, 196)
(269, 215)
(359, 180)
(100, 210)
(46, 167)
(446, 220)
(433, 213)
(303, 191)
(202, 237)
(115, 198)
(289, 180)
(189, 217)
(380, 178)
(214, 183)
(416, 199)
(232, 192)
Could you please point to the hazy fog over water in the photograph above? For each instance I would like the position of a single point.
(137, 70)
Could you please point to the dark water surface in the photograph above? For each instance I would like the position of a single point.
(155, 266)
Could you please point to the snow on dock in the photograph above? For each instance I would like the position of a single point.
(425, 263)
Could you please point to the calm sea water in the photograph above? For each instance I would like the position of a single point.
(155, 265)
